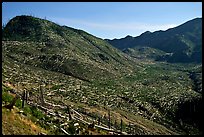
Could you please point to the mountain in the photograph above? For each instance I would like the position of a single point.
(71, 77)
(63, 49)
(181, 44)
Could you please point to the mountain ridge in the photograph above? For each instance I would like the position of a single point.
(184, 40)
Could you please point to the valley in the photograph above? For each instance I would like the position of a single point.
(74, 77)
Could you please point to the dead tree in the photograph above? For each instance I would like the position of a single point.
(41, 96)
(23, 99)
(99, 120)
(49, 85)
(115, 124)
(109, 120)
(68, 109)
(26, 97)
(121, 125)
(133, 130)
(129, 125)
(10, 106)
(91, 126)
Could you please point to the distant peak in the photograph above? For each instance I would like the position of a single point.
(195, 20)
(146, 33)
(128, 36)
(198, 18)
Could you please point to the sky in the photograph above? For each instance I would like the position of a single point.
(108, 19)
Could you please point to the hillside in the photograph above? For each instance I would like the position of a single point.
(181, 44)
(62, 49)
(70, 72)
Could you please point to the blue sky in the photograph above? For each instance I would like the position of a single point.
(108, 19)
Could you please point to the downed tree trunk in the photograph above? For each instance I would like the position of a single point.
(101, 127)
(65, 131)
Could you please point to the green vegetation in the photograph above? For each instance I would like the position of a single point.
(15, 124)
(20, 125)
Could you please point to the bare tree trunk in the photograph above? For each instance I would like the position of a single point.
(23, 99)
(109, 120)
(26, 96)
(129, 128)
(68, 109)
(99, 120)
(115, 125)
(41, 96)
(121, 125)
(49, 85)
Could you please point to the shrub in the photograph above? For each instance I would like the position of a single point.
(6, 97)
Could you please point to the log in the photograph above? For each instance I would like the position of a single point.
(98, 126)
(65, 131)
(77, 113)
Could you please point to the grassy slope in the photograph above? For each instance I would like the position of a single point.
(14, 123)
